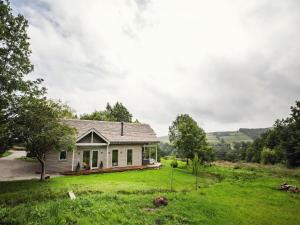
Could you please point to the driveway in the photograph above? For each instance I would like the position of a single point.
(13, 169)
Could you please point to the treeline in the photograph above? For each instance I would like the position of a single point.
(279, 144)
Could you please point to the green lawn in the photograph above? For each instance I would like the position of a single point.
(4, 154)
(226, 196)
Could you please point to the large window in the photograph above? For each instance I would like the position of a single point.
(115, 157)
(63, 155)
(129, 157)
(86, 160)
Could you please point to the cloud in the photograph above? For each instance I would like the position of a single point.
(229, 64)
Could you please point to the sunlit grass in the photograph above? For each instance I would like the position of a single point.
(227, 195)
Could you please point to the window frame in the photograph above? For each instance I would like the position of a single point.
(59, 156)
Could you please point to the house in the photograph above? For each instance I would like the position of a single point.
(104, 144)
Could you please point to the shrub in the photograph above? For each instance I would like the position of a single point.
(174, 163)
(268, 156)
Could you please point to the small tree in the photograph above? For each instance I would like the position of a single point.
(187, 137)
(196, 167)
(40, 128)
(173, 165)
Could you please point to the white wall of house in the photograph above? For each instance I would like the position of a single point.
(53, 164)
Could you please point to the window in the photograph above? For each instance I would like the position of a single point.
(115, 158)
(63, 155)
(129, 157)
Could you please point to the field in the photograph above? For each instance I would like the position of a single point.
(228, 194)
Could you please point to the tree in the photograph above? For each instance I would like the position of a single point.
(187, 137)
(118, 113)
(39, 126)
(196, 168)
(14, 65)
(281, 143)
(289, 129)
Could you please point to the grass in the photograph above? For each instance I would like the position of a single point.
(4, 154)
(228, 194)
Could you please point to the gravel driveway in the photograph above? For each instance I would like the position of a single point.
(13, 169)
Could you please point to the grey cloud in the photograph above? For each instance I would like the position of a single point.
(161, 71)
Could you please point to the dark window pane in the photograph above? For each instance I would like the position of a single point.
(95, 159)
(115, 157)
(63, 155)
(129, 157)
(86, 159)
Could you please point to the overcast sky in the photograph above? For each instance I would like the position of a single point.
(227, 63)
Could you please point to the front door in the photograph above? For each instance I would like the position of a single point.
(95, 159)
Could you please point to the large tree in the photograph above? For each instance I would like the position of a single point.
(281, 142)
(39, 126)
(14, 65)
(187, 137)
(289, 130)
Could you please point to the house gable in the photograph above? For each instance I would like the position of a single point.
(92, 136)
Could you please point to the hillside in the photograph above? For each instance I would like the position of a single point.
(243, 134)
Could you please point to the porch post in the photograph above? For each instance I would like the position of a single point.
(107, 156)
(73, 160)
(156, 153)
(149, 153)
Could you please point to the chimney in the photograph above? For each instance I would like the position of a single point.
(122, 128)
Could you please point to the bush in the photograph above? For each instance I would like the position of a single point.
(174, 163)
(268, 156)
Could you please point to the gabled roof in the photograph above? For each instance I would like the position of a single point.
(132, 132)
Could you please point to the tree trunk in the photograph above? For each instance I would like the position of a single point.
(43, 169)
(43, 172)
(187, 161)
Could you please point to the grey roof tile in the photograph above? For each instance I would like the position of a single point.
(132, 132)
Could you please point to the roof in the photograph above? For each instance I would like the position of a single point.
(132, 132)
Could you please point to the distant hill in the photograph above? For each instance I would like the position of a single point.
(253, 133)
(243, 134)
(164, 139)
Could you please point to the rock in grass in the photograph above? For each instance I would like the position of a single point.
(71, 195)
(160, 201)
(289, 188)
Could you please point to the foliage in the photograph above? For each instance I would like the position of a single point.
(268, 156)
(187, 137)
(283, 140)
(40, 128)
(166, 149)
(14, 65)
(174, 162)
(4, 154)
(196, 169)
(118, 113)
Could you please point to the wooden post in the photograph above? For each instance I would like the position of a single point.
(156, 153)
(149, 153)
(73, 160)
(107, 155)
